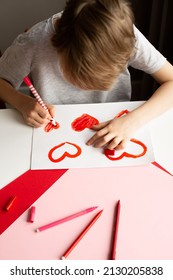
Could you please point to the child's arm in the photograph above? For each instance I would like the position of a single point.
(117, 132)
(33, 114)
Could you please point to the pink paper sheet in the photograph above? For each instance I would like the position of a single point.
(145, 227)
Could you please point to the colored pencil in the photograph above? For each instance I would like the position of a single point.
(27, 81)
(10, 203)
(66, 219)
(32, 214)
(81, 235)
(117, 216)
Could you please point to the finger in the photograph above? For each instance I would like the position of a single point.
(122, 145)
(41, 121)
(102, 141)
(52, 110)
(34, 119)
(99, 126)
(97, 135)
(114, 143)
(42, 113)
(39, 111)
(33, 123)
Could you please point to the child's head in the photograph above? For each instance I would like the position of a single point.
(94, 40)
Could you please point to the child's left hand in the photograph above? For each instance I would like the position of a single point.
(114, 134)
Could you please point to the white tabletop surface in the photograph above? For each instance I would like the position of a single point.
(15, 146)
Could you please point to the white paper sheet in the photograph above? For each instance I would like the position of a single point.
(90, 157)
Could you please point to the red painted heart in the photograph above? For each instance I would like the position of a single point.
(84, 121)
(125, 154)
(65, 154)
(50, 126)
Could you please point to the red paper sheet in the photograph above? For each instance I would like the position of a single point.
(159, 166)
(28, 188)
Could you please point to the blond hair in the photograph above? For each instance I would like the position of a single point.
(94, 40)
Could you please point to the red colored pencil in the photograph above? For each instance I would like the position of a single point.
(117, 216)
(81, 235)
(10, 203)
(66, 219)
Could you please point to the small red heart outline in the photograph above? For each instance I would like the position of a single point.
(128, 155)
(65, 154)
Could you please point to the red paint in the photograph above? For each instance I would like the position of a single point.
(109, 152)
(84, 121)
(50, 126)
(66, 154)
(125, 154)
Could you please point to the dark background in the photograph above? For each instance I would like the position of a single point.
(154, 18)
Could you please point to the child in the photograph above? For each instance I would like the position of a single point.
(82, 56)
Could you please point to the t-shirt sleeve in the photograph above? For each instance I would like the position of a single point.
(16, 61)
(146, 57)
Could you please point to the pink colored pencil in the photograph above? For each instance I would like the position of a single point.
(32, 214)
(27, 81)
(81, 235)
(66, 219)
(117, 216)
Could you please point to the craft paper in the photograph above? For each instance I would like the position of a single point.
(27, 188)
(145, 228)
(65, 147)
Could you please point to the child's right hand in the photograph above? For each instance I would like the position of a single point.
(33, 113)
(115, 133)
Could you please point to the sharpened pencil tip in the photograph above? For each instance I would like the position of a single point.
(37, 230)
(63, 258)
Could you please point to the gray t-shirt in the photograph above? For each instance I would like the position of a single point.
(33, 54)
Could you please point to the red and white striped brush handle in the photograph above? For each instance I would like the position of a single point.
(37, 96)
(35, 93)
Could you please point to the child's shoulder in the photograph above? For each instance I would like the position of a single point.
(46, 27)
(145, 57)
(38, 33)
